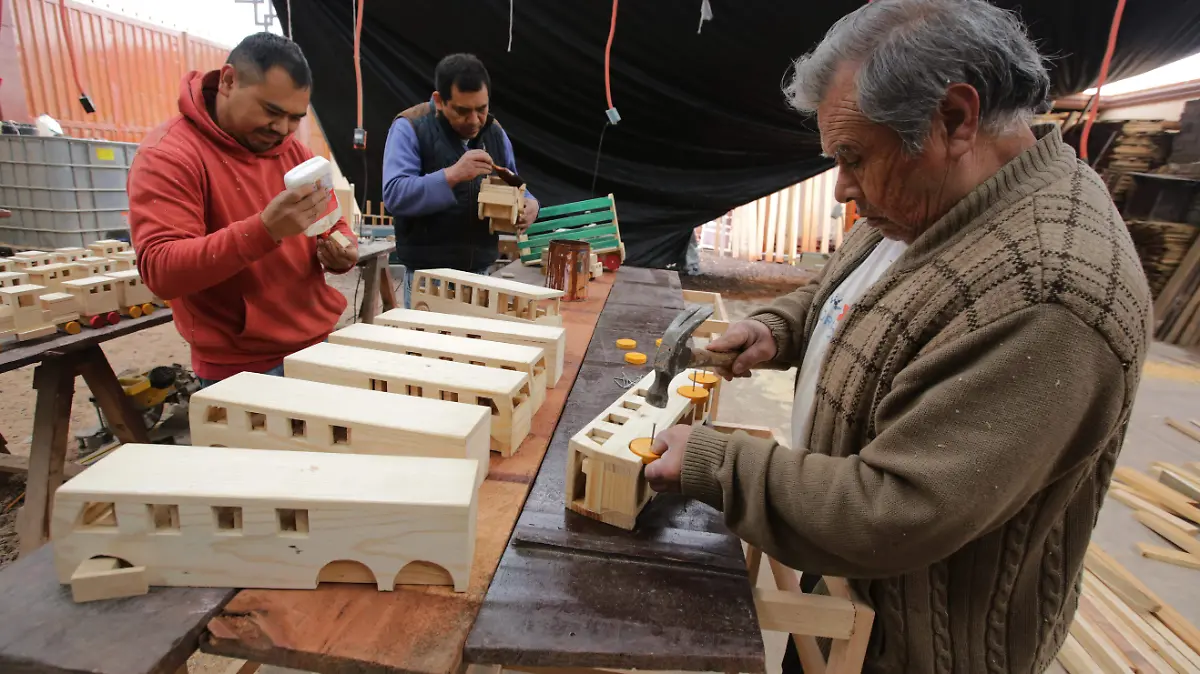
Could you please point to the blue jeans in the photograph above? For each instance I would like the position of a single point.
(274, 372)
(408, 279)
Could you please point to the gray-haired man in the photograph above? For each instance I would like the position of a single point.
(968, 358)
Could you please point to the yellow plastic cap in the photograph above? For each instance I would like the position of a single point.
(626, 344)
(635, 358)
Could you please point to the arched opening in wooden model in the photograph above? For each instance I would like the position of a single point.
(424, 573)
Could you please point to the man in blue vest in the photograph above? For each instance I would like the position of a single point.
(437, 155)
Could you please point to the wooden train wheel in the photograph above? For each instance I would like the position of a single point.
(135, 311)
(113, 318)
(611, 261)
(147, 309)
(72, 327)
(97, 321)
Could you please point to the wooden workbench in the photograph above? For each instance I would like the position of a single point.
(571, 592)
(671, 593)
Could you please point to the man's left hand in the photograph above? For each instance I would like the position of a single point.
(666, 473)
(334, 257)
(528, 215)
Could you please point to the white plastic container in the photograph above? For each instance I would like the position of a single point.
(316, 170)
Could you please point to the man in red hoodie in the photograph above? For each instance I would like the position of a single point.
(215, 229)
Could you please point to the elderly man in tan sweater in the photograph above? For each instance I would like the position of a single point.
(968, 358)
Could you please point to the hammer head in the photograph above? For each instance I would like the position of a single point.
(674, 355)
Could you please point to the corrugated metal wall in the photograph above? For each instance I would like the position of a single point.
(131, 70)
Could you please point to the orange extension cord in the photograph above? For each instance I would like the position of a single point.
(1108, 52)
(612, 30)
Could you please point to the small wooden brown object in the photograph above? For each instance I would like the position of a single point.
(568, 268)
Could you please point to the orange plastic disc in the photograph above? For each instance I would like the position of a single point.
(693, 393)
(635, 358)
(641, 447)
(705, 379)
(626, 344)
(658, 342)
(72, 328)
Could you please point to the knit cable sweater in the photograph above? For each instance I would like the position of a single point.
(967, 420)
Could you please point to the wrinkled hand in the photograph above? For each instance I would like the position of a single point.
(528, 214)
(755, 342)
(666, 473)
(334, 257)
(470, 166)
(292, 211)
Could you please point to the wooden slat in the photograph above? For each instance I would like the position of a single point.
(1168, 555)
(595, 217)
(1180, 626)
(1135, 650)
(1075, 659)
(11, 463)
(574, 207)
(1167, 297)
(1122, 494)
(1184, 428)
(1169, 531)
(799, 613)
(577, 234)
(1142, 625)
(1157, 493)
(1108, 658)
(1121, 581)
(1180, 482)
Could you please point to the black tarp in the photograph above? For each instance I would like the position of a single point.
(704, 127)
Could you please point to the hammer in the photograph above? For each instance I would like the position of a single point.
(675, 356)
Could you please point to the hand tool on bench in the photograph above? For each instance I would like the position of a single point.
(511, 179)
(675, 355)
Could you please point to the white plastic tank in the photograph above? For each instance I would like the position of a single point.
(320, 171)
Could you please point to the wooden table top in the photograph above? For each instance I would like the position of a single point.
(412, 629)
(13, 357)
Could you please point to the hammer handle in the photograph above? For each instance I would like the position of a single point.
(706, 358)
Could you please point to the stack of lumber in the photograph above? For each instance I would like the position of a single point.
(1122, 627)
(1161, 247)
(1164, 500)
(1177, 306)
(1141, 145)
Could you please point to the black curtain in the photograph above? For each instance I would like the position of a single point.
(704, 127)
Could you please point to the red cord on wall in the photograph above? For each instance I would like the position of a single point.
(360, 131)
(65, 24)
(1108, 53)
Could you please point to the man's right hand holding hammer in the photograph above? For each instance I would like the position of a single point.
(752, 339)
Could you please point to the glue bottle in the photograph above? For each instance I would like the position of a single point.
(316, 170)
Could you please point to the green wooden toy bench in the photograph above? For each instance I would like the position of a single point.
(593, 221)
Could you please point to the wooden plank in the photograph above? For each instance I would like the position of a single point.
(1157, 493)
(1108, 658)
(54, 382)
(799, 613)
(1076, 660)
(1168, 555)
(1121, 581)
(42, 630)
(1184, 428)
(547, 214)
(1129, 498)
(847, 657)
(1180, 482)
(1169, 531)
(1142, 626)
(1135, 650)
(772, 226)
(1180, 626)
(1183, 471)
(794, 222)
(370, 269)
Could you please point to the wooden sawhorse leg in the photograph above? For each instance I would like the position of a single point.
(54, 381)
(370, 274)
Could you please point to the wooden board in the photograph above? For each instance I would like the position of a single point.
(1106, 655)
(528, 359)
(225, 517)
(1170, 532)
(1169, 555)
(458, 292)
(550, 338)
(103, 578)
(1157, 493)
(416, 630)
(506, 393)
(1124, 495)
(1075, 659)
(258, 411)
(1123, 583)
(42, 631)
(1141, 625)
